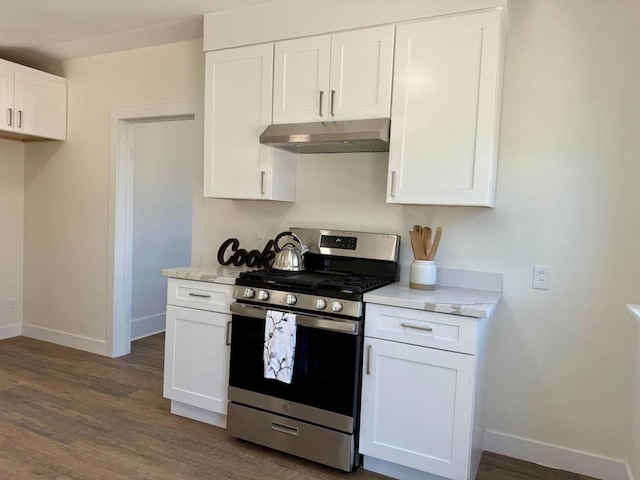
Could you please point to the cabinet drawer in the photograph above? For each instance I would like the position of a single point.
(416, 327)
(214, 297)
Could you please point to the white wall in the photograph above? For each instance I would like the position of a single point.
(567, 197)
(165, 168)
(67, 187)
(11, 234)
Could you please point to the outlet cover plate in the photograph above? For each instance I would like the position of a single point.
(541, 277)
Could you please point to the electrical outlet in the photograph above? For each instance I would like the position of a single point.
(12, 305)
(541, 277)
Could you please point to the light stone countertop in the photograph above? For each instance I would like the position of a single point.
(444, 299)
(225, 274)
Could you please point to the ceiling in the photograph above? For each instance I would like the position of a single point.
(45, 30)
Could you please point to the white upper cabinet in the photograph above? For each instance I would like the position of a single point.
(6, 97)
(238, 89)
(446, 110)
(33, 104)
(345, 76)
(301, 80)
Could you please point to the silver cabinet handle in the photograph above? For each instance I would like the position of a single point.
(262, 183)
(368, 359)
(10, 117)
(321, 97)
(278, 427)
(392, 189)
(333, 96)
(19, 118)
(228, 332)
(199, 295)
(416, 327)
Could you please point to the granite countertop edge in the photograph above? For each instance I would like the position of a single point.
(452, 300)
(215, 274)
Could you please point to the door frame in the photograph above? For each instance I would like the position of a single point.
(120, 238)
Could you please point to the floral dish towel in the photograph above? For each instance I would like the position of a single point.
(279, 345)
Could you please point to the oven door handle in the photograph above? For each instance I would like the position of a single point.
(323, 323)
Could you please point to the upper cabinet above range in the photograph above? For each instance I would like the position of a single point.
(33, 104)
(434, 68)
(446, 110)
(344, 76)
(238, 85)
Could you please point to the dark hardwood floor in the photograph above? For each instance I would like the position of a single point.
(67, 414)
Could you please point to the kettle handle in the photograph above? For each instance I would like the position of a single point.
(276, 247)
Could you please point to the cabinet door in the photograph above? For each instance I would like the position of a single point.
(361, 66)
(446, 110)
(196, 364)
(7, 112)
(417, 407)
(301, 80)
(41, 107)
(238, 85)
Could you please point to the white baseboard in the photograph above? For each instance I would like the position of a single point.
(555, 456)
(65, 339)
(145, 326)
(10, 331)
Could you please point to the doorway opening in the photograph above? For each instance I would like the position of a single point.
(155, 213)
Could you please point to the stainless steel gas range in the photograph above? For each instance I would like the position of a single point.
(316, 415)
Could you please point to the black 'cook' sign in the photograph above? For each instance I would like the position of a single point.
(240, 256)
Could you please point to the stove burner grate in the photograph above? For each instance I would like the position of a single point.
(320, 280)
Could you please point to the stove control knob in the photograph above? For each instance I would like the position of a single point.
(291, 299)
(263, 295)
(249, 293)
(321, 304)
(336, 306)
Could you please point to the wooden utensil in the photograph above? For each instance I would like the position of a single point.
(426, 240)
(417, 245)
(434, 247)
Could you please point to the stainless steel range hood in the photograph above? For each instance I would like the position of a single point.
(330, 137)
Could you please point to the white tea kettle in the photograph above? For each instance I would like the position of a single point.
(289, 257)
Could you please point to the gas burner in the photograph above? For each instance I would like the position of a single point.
(317, 280)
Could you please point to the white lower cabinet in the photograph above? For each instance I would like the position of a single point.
(420, 405)
(197, 343)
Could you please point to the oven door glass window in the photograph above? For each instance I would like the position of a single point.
(326, 368)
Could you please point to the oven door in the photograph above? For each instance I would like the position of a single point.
(325, 385)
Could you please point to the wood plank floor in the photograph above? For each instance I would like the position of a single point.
(67, 414)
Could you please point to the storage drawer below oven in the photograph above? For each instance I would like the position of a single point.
(304, 440)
